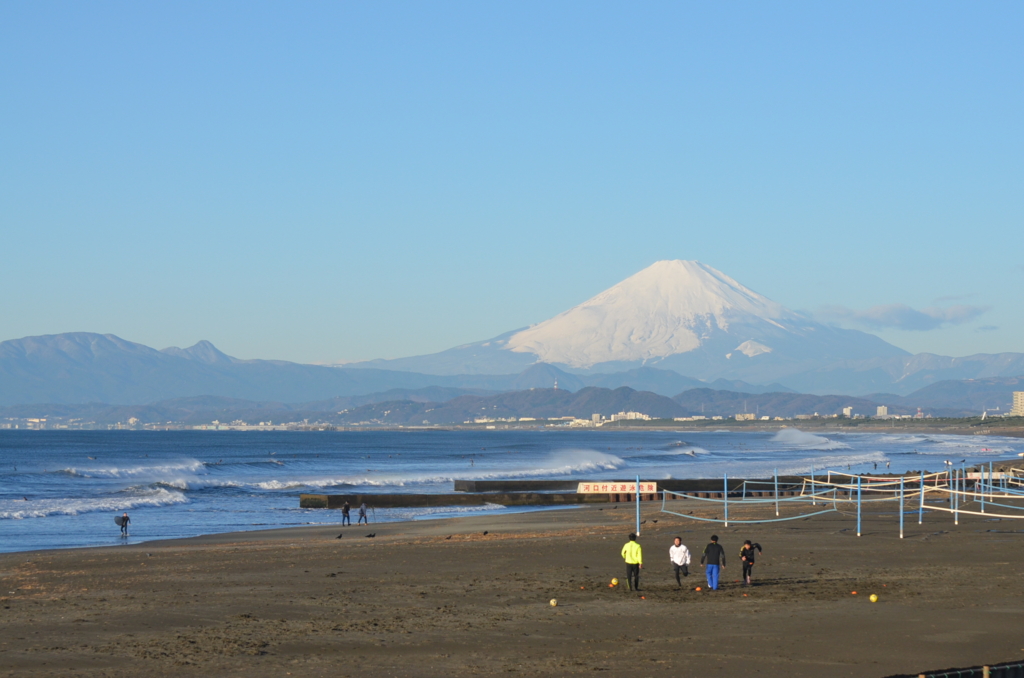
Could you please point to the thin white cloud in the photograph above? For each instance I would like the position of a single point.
(903, 317)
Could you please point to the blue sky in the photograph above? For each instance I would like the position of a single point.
(336, 181)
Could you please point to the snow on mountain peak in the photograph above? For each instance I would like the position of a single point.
(667, 308)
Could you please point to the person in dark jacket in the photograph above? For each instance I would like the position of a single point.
(747, 554)
(713, 559)
(345, 517)
(124, 525)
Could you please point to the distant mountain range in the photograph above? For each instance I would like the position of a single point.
(689, 318)
(83, 367)
(675, 326)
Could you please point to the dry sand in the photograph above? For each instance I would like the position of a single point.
(412, 602)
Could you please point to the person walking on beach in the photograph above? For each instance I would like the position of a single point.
(124, 525)
(634, 557)
(680, 557)
(713, 559)
(346, 519)
(747, 554)
(362, 515)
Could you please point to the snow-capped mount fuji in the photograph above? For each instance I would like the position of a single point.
(679, 315)
(668, 308)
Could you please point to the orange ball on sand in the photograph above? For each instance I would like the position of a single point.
(697, 589)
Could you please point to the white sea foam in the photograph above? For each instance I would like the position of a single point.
(122, 501)
(796, 439)
(561, 462)
(143, 471)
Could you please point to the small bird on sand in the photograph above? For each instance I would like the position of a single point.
(485, 531)
(448, 537)
(340, 535)
(371, 535)
(654, 521)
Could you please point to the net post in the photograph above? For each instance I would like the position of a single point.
(901, 507)
(638, 505)
(776, 493)
(858, 506)
(956, 498)
(725, 496)
(920, 508)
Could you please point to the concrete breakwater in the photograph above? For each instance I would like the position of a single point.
(545, 493)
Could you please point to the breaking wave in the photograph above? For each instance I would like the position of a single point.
(130, 499)
(187, 466)
(795, 438)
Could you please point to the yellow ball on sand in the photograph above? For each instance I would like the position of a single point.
(615, 582)
(554, 602)
(873, 598)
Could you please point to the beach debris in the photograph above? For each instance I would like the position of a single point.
(553, 602)
(371, 535)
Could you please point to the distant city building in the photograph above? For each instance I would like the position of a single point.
(625, 416)
(746, 417)
(848, 412)
(1018, 404)
(596, 418)
(882, 411)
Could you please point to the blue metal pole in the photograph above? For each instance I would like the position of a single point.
(901, 507)
(981, 468)
(956, 497)
(776, 493)
(814, 501)
(725, 496)
(858, 506)
(638, 506)
(920, 509)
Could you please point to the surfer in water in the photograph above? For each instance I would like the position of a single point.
(124, 525)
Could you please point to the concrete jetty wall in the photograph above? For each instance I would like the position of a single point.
(672, 484)
(541, 493)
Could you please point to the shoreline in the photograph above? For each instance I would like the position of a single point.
(469, 596)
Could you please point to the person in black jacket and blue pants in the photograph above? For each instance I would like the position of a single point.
(713, 559)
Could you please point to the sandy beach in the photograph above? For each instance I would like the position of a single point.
(442, 598)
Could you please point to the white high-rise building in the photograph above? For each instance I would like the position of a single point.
(848, 412)
(882, 411)
(1018, 404)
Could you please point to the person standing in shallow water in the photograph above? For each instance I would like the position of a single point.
(124, 525)
(362, 515)
(346, 519)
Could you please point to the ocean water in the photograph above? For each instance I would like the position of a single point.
(63, 489)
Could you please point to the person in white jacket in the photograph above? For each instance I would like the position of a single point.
(680, 557)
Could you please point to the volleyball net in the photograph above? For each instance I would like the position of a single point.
(979, 491)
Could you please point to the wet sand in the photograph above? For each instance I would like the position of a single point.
(414, 602)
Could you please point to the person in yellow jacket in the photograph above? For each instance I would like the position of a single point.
(634, 557)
